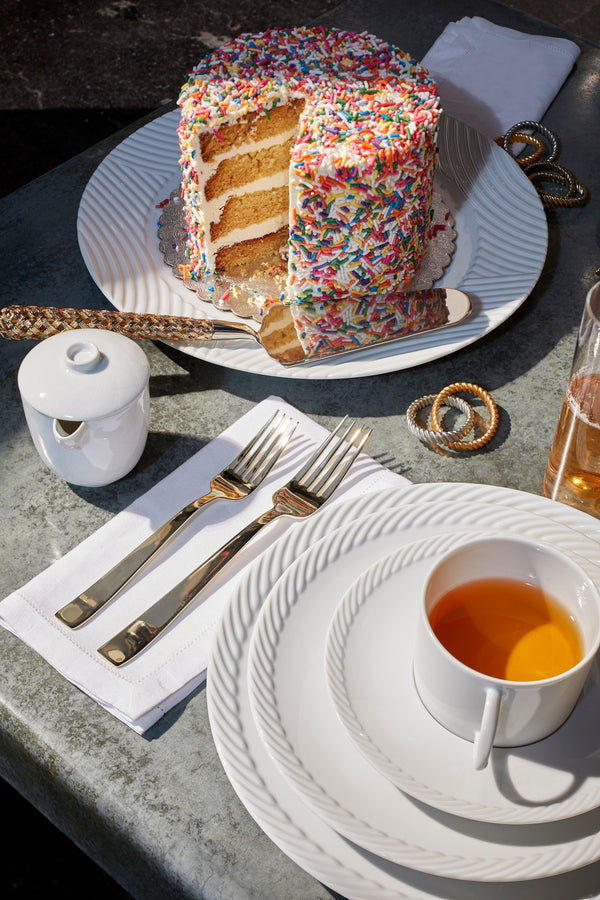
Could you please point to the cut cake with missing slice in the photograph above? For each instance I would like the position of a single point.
(310, 153)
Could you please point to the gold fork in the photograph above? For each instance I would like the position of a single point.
(300, 497)
(242, 476)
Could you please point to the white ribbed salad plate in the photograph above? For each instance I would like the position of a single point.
(499, 252)
(368, 665)
(294, 826)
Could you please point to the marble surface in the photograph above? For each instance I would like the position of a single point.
(158, 811)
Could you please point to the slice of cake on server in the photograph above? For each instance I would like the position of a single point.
(308, 156)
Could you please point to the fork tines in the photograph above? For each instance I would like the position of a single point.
(328, 466)
(264, 448)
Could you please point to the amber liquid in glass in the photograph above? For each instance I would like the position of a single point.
(508, 629)
(573, 471)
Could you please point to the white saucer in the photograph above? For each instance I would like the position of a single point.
(298, 723)
(368, 663)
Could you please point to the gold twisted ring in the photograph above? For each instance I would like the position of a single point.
(544, 169)
(440, 437)
(446, 394)
(531, 140)
(577, 193)
(537, 128)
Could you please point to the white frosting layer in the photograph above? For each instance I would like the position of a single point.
(212, 209)
(267, 226)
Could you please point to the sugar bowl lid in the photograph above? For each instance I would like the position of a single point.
(83, 374)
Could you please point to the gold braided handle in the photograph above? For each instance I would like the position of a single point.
(36, 323)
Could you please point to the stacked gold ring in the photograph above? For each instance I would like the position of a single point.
(537, 128)
(453, 440)
(490, 403)
(531, 140)
(576, 194)
(542, 166)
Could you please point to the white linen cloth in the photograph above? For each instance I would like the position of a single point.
(491, 77)
(141, 691)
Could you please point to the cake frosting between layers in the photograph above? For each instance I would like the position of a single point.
(314, 148)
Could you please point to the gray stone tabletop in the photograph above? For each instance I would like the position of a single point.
(158, 811)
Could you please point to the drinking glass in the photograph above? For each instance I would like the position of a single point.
(573, 471)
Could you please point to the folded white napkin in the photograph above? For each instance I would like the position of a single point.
(140, 692)
(491, 77)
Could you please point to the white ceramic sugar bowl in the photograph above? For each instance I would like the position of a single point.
(86, 401)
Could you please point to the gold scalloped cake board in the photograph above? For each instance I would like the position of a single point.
(247, 296)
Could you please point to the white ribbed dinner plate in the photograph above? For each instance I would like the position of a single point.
(501, 241)
(279, 809)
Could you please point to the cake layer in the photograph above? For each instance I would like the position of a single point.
(232, 258)
(236, 173)
(251, 231)
(250, 209)
(211, 210)
(248, 127)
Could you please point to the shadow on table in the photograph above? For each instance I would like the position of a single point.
(36, 141)
(60, 867)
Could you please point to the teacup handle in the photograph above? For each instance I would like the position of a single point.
(484, 738)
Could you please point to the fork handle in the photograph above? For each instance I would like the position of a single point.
(142, 631)
(87, 604)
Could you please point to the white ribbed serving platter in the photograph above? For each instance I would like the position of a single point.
(277, 806)
(499, 253)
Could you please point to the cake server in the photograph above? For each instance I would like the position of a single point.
(276, 333)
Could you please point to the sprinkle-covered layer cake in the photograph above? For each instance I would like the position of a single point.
(311, 151)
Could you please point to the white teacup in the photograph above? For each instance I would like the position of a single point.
(492, 709)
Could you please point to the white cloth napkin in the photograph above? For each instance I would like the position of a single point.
(140, 692)
(491, 77)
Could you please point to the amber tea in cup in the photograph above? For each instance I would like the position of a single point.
(507, 628)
